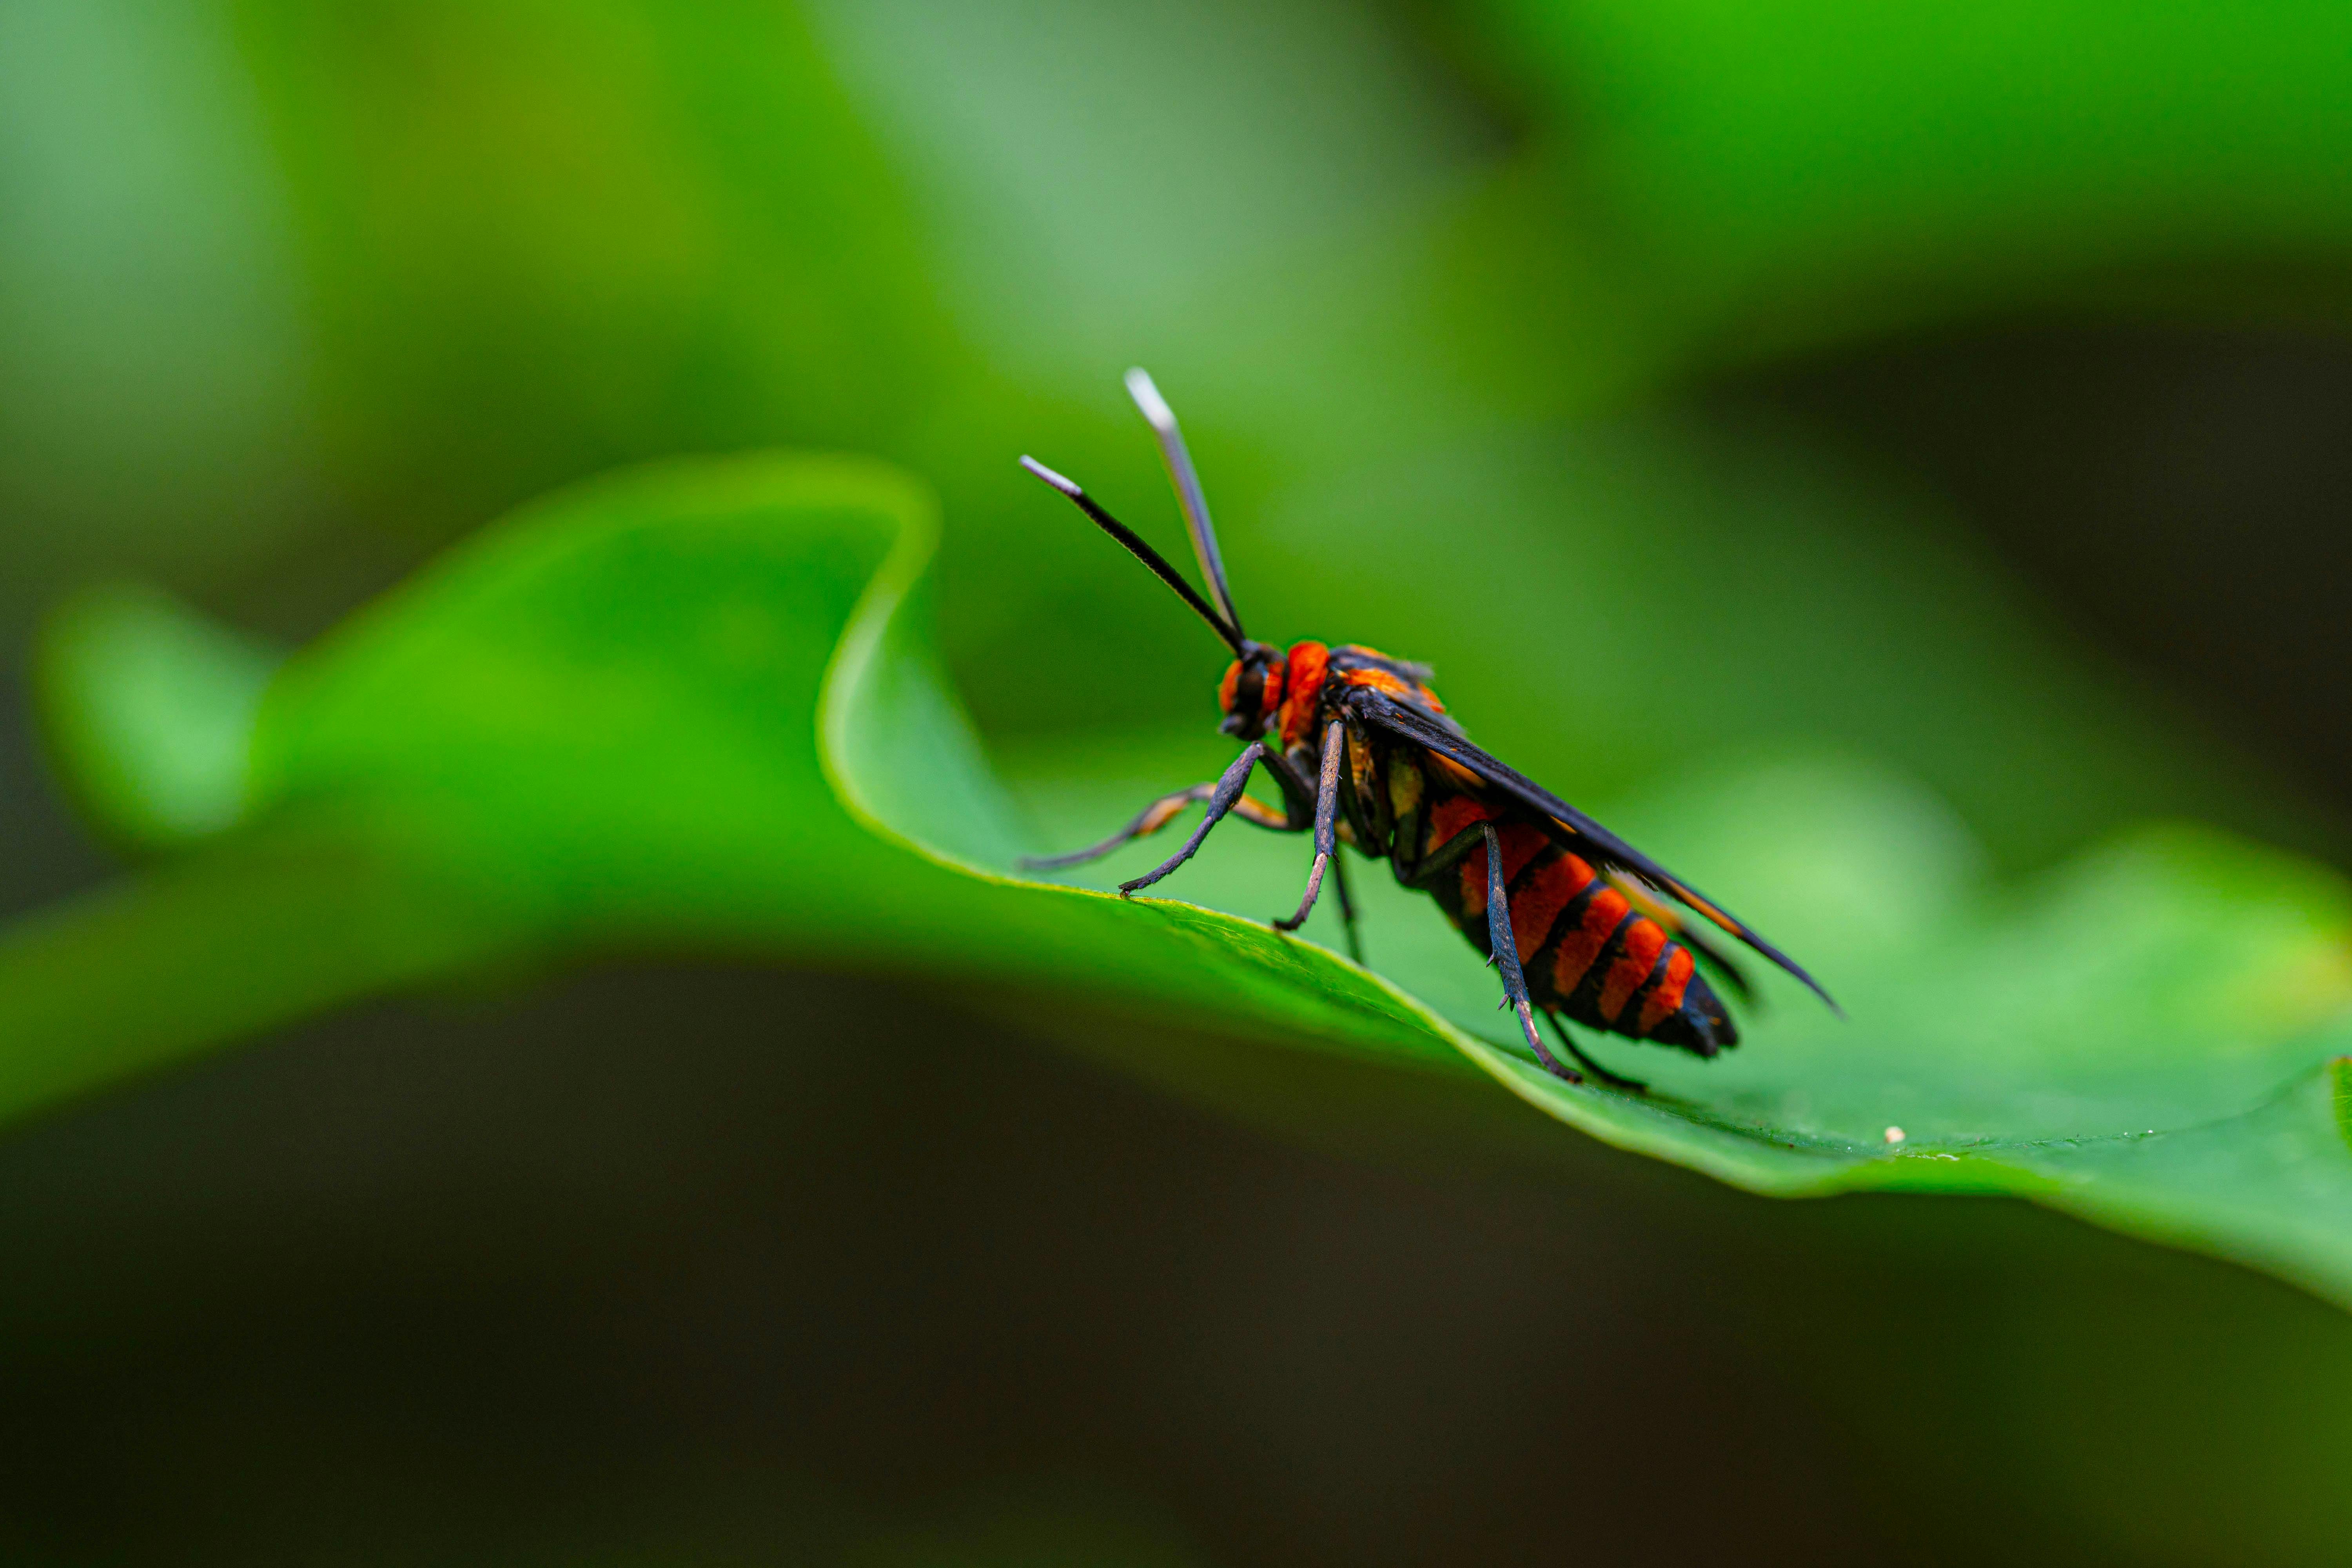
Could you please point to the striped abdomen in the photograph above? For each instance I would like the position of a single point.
(1586, 950)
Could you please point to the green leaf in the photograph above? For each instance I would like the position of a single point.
(151, 709)
(592, 726)
(698, 707)
(2151, 1037)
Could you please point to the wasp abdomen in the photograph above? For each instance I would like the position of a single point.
(1586, 951)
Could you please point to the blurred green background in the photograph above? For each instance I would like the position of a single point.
(1960, 394)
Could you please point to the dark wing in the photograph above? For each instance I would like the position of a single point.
(1683, 930)
(1594, 840)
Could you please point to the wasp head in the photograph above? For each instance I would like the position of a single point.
(1252, 690)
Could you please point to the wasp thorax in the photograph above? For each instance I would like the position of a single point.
(1251, 690)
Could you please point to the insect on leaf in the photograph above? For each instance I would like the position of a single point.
(698, 708)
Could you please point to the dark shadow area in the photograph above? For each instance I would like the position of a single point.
(2182, 496)
(708, 1266)
(711, 1266)
(49, 854)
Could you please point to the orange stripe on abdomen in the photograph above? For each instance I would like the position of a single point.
(1451, 815)
(1550, 888)
(1580, 947)
(1667, 999)
(1445, 820)
(1520, 843)
(1644, 941)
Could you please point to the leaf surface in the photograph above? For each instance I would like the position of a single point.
(698, 707)
(2151, 1036)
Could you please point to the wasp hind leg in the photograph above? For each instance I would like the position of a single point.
(1505, 955)
(1614, 1080)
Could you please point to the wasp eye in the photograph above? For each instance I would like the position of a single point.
(1229, 690)
(1251, 690)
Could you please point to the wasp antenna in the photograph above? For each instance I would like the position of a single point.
(1140, 551)
(1062, 483)
(1162, 420)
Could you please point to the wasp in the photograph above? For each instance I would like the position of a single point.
(1579, 922)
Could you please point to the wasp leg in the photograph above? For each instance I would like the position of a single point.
(1154, 817)
(1346, 907)
(1326, 827)
(1614, 1080)
(1221, 800)
(1298, 797)
(1506, 951)
(1439, 861)
(1266, 816)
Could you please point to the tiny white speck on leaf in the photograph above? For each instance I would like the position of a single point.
(1894, 1135)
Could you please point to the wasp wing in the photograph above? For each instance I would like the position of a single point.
(1595, 841)
(1683, 930)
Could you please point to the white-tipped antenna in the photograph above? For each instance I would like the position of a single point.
(1140, 551)
(1162, 420)
(1068, 487)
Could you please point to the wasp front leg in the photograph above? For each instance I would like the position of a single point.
(1224, 797)
(1157, 816)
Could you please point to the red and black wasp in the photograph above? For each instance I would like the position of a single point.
(1365, 754)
